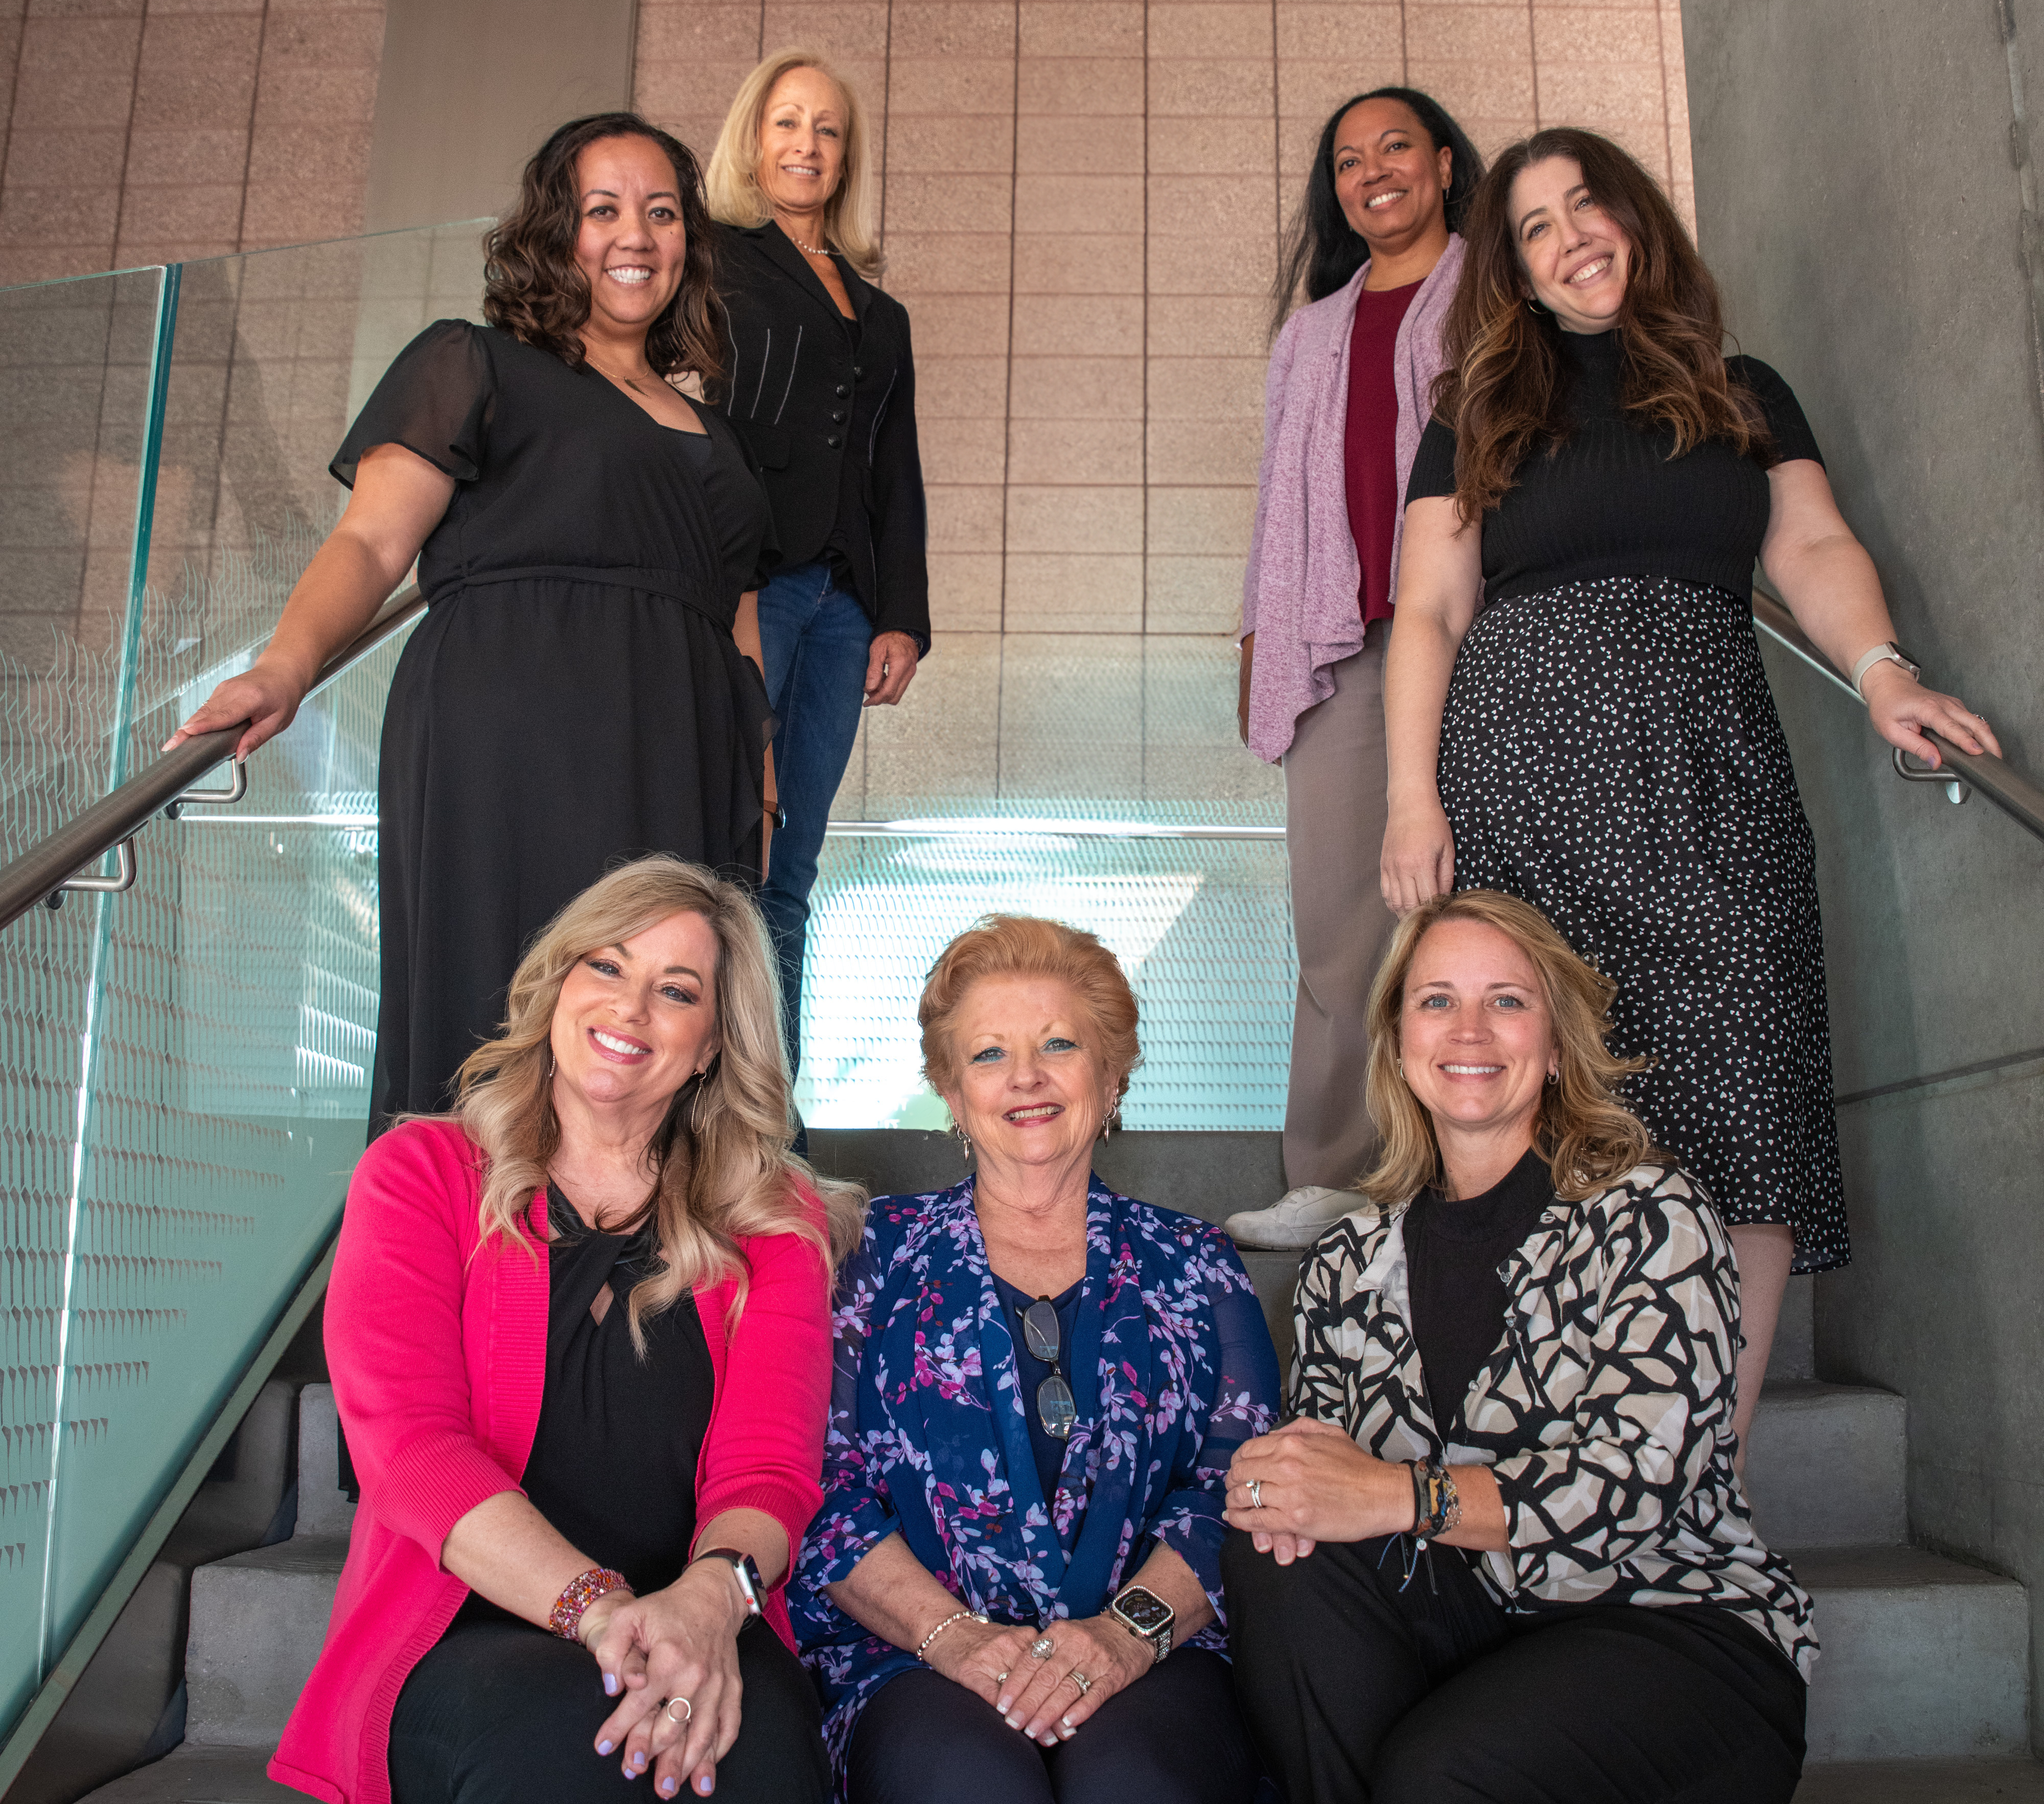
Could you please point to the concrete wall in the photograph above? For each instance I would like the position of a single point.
(1866, 191)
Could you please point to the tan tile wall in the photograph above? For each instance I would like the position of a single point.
(1083, 199)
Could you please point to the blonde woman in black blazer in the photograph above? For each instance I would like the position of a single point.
(820, 384)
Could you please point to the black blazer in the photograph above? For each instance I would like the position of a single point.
(830, 415)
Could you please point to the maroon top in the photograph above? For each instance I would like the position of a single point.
(1371, 441)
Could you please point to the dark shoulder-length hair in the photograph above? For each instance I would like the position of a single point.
(533, 288)
(1502, 389)
(1321, 250)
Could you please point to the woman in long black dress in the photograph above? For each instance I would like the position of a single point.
(1604, 477)
(577, 693)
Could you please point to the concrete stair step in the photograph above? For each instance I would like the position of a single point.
(192, 1774)
(257, 1621)
(1826, 1466)
(1924, 1659)
(324, 1508)
(1923, 1782)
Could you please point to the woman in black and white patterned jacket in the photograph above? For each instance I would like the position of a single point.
(1533, 1572)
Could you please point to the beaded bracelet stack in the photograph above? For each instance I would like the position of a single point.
(1436, 1505)
(565, 1620)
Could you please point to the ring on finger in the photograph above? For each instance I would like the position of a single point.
(1042, 1647)
(1256, 1493)
(1001, 1679)
(667, 1710)
(1080, 1679)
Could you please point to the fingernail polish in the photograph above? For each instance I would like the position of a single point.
(610, 1683)
(666, 1788)
(604, 1747)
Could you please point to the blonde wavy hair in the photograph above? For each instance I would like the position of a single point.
(719, 1167)
(851, 216)
(1025, 945)
(1584, 1132)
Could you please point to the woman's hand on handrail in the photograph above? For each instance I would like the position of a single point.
(398, 499)
(1903, 711)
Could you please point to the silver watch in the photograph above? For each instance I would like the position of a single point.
(1146, 1616)
(1886, 652)
(750, 1585)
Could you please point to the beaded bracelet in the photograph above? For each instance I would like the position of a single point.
(583, 1591)
(1437, 1506)
(956, 1616)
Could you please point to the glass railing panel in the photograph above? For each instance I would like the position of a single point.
(1001, 731)
(184, 1067)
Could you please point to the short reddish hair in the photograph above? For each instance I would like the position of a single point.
(1023, 945)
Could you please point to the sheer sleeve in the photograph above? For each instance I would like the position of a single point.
(1242, 1403)
(857, 1513)
(435, 399)
(1792, 437)
(1433, 464)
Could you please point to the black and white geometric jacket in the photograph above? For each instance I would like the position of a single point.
(1605, 1412)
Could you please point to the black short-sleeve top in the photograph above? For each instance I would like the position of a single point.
(557, 470)
(1609, 502)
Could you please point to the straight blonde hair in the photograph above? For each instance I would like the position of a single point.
(851, 216)
(1585, 1134)
(719, 1167)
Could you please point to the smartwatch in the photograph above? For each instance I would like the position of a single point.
(745, 1572)
(1886, 651)
(1146, 1616)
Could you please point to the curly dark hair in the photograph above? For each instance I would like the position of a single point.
(1321, 251)
(534, 288)
(1502, 390)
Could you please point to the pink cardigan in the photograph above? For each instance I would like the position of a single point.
(1301, 593)
(439, 1358)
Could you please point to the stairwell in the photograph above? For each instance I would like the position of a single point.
(1922, 1696)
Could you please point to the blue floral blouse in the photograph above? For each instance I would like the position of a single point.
(1172, 1368)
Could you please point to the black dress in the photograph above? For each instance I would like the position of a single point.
(574, 697)
(1610, 751)
(498, 1709)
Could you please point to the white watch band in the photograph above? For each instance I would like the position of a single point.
(1886, 651)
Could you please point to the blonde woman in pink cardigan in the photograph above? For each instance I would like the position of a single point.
(580, 1347)
(1349, 393)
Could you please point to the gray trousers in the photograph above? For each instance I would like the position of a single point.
(1334, 831)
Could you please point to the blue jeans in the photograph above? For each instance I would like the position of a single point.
(815, 637)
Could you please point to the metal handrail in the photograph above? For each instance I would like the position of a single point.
(114, 820)
(2001, 783)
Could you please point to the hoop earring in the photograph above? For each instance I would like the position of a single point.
(1554, 1077)
(550, 1061)
(1107, 1126)
(695, 1104)
(1535, 308)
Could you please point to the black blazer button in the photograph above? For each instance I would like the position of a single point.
(856, 372)
(834, 442)
(838, 416)
(842, 391)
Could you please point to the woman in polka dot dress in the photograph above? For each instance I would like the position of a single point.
(1601, 741)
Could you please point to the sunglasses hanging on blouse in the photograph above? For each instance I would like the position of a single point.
(1056, 1408)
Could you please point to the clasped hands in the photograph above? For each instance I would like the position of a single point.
(1040, 1697)
(1307, 1482)
(681, 1643)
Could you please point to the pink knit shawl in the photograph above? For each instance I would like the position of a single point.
(1299, 595)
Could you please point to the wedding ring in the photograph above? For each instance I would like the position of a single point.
(1080, 1679)
(1256, 1493)
(1042, 1647)
(668, 1711)
(1001, 1679)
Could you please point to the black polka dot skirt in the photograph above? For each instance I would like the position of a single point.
(1610, 752)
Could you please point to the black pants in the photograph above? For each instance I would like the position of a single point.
(1359, 1692)
(1173, 1737)
(500, 1711)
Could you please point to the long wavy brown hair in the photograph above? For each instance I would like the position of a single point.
(1583, 1130)
(719, 1167)
(534, 290)
(1503, 390)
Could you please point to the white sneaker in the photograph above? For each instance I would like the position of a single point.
(1296, 1219)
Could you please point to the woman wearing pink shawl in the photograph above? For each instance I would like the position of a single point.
(1349, 394)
